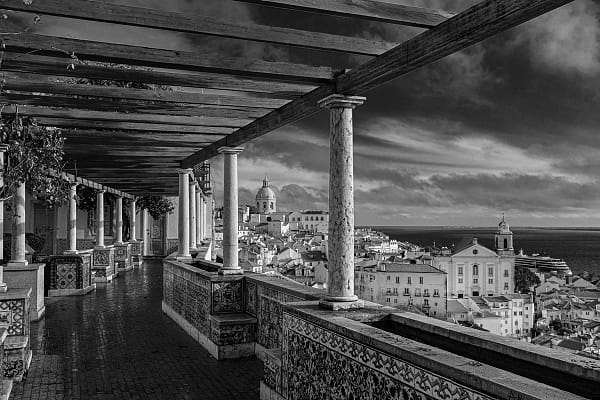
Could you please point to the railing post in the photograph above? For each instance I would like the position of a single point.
(18, 227)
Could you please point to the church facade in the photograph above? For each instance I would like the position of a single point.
(475, 270)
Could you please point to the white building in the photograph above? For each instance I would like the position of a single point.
(475, 270)
(312, 221)
(266, 202)
(403, 284)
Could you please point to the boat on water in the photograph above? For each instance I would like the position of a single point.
(542, 263)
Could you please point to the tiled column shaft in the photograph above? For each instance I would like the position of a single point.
(119, 209)
(72, 222)
(193, 214)
(184, 216)
(100, 219)
(132, 221)
(199, 237)
(3, 149)
(340, 285)
(18, 226)
(230, 211)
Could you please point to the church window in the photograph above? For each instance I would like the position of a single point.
(271, 206)
(475, 270)
(506, 273)
(460, 280)
(490, 271)
(505, 285)
(491, 281)
(460, 270)
(409, 280)
(421, 280)
(264, 204)
(505, 243)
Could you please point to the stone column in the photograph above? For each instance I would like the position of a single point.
(193, 214)
(3, 149)
(184, 216)
(132, 222)
(199, 237)
(119, 225)
(340, 285)
(72, 222)
(100, 219)
(230, 211)
(145, 235)
(18, 227)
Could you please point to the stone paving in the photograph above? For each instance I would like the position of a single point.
(116, 343)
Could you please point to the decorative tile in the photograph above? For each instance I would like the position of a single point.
(227, 297)
(251, 292)
(269, 315)
(14, 313)
(66, 275)
(232, 334)
(318, 363)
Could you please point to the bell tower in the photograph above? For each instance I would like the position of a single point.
(504, 239)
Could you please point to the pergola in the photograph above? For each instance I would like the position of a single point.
(135, 140)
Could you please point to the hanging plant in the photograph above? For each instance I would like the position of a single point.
(157, 206)
(35, 157)
(86, 198)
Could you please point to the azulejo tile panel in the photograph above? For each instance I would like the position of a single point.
(232, 334)
(251, 298)
(13, 314)
(318, 363)
(66, 275)
(188, 297)
(269, 315)
(228, 297)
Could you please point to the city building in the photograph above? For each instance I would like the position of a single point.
(405, 283)
(310, 220)
(475, 270)
(266, 201)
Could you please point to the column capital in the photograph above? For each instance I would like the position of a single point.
(230, 150)
(341, 101)
(73, 183)
(100, 191)
(184, 171)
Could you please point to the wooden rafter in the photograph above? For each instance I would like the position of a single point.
(162, 58)
(49, 84)
(131, 106)
(463, 30)
(35, 64)
(365, 9)
(143, 17)
(133, 126)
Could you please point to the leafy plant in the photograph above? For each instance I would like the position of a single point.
(35, 157)
(86, 198)
(157, 206)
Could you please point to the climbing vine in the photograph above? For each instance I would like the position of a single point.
(157, 206)
(35, 155)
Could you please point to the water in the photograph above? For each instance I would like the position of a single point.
(579, 247)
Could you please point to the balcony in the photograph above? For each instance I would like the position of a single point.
(282, 324)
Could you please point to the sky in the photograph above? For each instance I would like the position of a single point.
(509, 125)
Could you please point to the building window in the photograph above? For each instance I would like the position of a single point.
(460, 280)
(515, 313)
(460, 270)
(271, 206)
(387, 299)
(389, 277)
(417, 292)
(409, 280)
(475, 270)
(506, 273)
(491, 281)
(520, 312)
(421, 280)
(436, 293)
(475, 280)
(397, 279)
(505, 285)
(321, 218)
(490, 271)
(425, 302)
(395, 301)
(406, 291)
(426, 292)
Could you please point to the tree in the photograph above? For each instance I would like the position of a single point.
(525, 280)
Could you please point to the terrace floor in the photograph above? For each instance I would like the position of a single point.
(115, 343)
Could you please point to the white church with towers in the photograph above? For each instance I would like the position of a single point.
(475, 270)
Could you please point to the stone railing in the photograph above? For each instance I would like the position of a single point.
(368, 353)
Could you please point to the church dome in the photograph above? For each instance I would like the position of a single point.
(265, 192)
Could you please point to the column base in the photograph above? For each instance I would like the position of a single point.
(336, 305)
(17, 263)
(70, 252)
(231, 271)
(3, 288)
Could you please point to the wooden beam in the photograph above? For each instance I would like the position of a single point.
(100, 116)
(49, 84)
(364, 9)
(58, 66)
(158, 19)
(133, 126)
(465, 29)
(131, 106)
(82, 135)
(86, 182)
(87, 50)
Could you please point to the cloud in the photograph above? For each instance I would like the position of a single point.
(566, 40)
